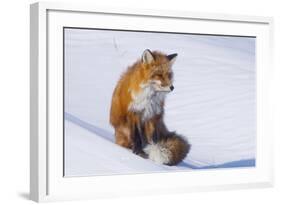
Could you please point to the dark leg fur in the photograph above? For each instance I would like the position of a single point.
(155, 136)
(142, 137)
(136, 141)
(139, 142)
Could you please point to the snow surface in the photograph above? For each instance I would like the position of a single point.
(213, 104)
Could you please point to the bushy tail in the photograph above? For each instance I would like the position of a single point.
(170, 150)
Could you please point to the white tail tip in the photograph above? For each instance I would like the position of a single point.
(158, 153)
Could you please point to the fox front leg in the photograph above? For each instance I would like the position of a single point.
(155, 136)
(139, 142)
(137, 148)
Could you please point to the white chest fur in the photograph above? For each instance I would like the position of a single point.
(147, 102)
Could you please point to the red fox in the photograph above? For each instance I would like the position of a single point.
(137, 110)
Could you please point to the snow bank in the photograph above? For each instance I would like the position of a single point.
(213, 103)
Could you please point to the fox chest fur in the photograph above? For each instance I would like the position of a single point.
(147, 102)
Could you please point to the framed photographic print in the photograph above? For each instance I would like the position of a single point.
(147, 101)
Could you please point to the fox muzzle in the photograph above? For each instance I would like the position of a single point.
(172, 87)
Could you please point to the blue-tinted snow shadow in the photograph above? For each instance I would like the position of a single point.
(92, 128)
(109, 136)
(238, 163)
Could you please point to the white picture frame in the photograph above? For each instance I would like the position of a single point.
(46, 178)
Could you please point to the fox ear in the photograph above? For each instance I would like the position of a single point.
(172, 57)
(147, 57)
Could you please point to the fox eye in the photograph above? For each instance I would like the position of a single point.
(157, 75)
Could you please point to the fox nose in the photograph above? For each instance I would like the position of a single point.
(172, 87)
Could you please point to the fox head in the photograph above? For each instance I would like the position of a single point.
(158, 70)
